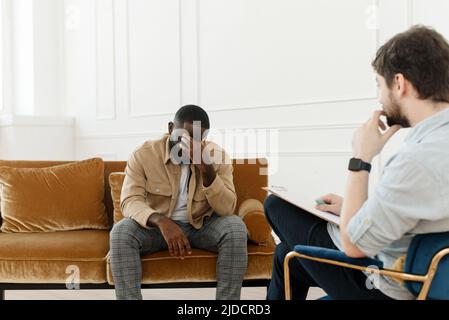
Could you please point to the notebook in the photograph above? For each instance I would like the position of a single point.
(301, 202)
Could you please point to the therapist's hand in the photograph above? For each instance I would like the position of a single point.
(368, 140)
(334, 204)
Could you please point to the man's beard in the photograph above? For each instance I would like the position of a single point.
(395, 116)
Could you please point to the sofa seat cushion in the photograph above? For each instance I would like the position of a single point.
(52, 257)
(200, 266)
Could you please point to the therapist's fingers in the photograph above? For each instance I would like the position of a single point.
(390, 133)
(330, 198)
(332, 208)
(376, 116)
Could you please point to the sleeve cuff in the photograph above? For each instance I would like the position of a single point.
(358, 232)
(143, 216)
(357, 226)
(215, 188)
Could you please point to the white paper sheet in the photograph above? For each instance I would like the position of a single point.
(299, 201)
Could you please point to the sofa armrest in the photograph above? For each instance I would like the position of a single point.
(252, 213)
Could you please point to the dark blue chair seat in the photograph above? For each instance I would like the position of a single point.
(423, 249)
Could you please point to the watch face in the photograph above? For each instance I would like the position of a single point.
(358, 165)
(355, 165)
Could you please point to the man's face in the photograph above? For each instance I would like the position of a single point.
(393, 109)
(193, 130)
(182, 139)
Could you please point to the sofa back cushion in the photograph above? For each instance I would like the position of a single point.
(109, 166)
(249, 177)
(116, 180)
(59, 198)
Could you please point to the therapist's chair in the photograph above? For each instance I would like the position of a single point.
(425, 272)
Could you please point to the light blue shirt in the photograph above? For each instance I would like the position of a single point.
(412, 197)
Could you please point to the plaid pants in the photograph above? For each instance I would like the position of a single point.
(226, 235)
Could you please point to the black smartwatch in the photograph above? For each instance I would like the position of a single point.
(357, 165)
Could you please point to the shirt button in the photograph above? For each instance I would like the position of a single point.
(157, 190)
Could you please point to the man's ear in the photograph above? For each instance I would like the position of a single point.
(204, 133)
(400, 85)
(171, 126)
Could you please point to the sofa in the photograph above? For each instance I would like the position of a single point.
(45, 260)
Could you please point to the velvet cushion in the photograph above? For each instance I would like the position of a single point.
(60, 198)
(252, 213)
(115, 182)
(259, 230)
(200, 266)
(53, 257)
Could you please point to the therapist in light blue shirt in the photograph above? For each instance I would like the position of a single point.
(412, 196)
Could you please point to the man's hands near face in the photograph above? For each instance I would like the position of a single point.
(192, 146)
(333, 204)
(368, 140)
(199, 158)
(177, 242)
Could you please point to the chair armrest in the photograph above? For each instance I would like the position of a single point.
(337, 255)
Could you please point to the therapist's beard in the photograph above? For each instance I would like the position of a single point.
(395, 115)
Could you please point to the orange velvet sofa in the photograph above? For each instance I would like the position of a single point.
(34, 261)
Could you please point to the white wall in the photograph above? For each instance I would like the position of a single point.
(32, 121)
(36, 138)
(300, 68)
(22, 59)
(33, 43)
(48, 57)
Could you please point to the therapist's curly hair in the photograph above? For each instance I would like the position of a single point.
(421, 55)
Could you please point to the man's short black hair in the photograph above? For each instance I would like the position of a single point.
(190, 113)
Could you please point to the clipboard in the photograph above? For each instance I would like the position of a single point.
(300, 202)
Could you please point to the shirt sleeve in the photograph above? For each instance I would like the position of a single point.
(133, 195)
(221, 194)
(406, 193)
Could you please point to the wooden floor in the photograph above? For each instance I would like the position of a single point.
(148, 294)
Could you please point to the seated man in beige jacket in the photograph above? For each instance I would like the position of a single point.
(179, 193)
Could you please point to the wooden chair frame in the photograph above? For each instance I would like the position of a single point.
(425, 279)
